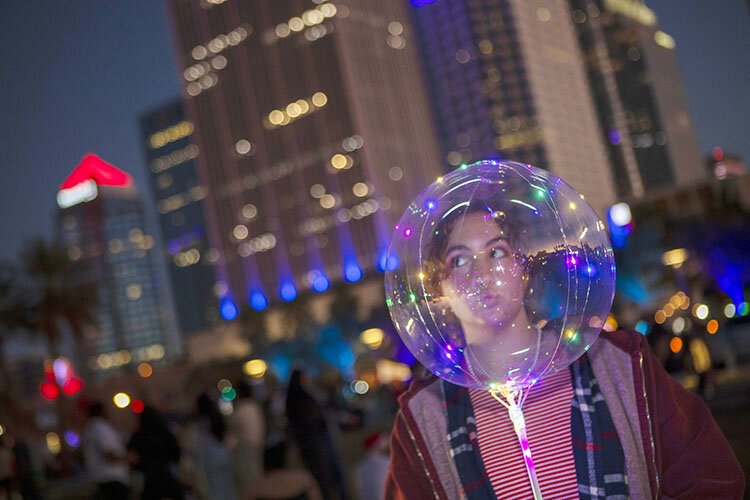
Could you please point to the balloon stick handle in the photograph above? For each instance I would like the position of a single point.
(519, 424)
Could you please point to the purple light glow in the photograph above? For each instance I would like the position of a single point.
(614, 136)
(407, 232)
(571, 261)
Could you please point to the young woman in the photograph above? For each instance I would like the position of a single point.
(613, 425)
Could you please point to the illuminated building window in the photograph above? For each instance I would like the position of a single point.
(308, 21)
(115, 246)
(74, 253)
(164, 181)
(395, 28)
(664, 40)
(187, 258)
(249, 211)
(133, 292)
(327, 201)
(634, 10)
(462, 56)
(360, 189)
(240, 232)
(261, 243)
(395, 173)
(171, 134)
(221, 42)
(352, 143)
(243, 147)
(341, 162)
(294, 111)
(173, 159)
(396, 42)
(519, 139)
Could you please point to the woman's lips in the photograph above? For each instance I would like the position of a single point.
(490, 300)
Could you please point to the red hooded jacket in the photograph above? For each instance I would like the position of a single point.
(673, 447)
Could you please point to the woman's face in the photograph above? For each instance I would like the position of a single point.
(484, 284)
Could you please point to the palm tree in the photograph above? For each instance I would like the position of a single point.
(14, 315)
(60, 295)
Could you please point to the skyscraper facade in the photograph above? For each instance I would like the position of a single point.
(314, 132)
(171, 157)
(507, 81)
(642, 108)
(102, 225)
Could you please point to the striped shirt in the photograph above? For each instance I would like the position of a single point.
(548, 418)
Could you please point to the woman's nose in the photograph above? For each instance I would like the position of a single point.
(483, 269)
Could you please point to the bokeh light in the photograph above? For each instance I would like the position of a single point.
(712, 326)
(145, 370)
(121, 400)
(675, 345)
(255, 368)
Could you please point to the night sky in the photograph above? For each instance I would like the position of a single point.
(76, 75)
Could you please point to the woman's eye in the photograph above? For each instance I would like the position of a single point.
(458, 261)
(497, 253)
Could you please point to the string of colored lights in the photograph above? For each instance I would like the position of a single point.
(513, 402)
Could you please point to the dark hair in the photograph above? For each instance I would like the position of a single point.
(434, 263)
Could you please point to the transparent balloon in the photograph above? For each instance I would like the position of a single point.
(500, 274)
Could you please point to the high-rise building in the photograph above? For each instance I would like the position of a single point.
(171, 158)
(314, 132)
(102, 224)
(642, 108)
(507, 80)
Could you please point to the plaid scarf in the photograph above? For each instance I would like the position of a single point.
(597, 452)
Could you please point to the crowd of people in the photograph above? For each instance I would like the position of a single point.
(285, 444)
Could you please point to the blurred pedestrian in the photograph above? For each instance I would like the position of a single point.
(372, 471)
(211, 460)
(248, 427)
(154, 451)
(274, 408)
(307, 422)
(105, 456)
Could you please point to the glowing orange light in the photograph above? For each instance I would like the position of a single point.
(145, 370)
(675, 344)
(660, 317)
(712, 326)
(668, 310)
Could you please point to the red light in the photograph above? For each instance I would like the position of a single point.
(137, 406)
(717, 153)
(49, 390)
(101, 172)
(72, 386)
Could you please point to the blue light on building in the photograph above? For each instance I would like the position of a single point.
(352, 271)
(320, 282)
(258, 300)
(287, 291)
(228, 308)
